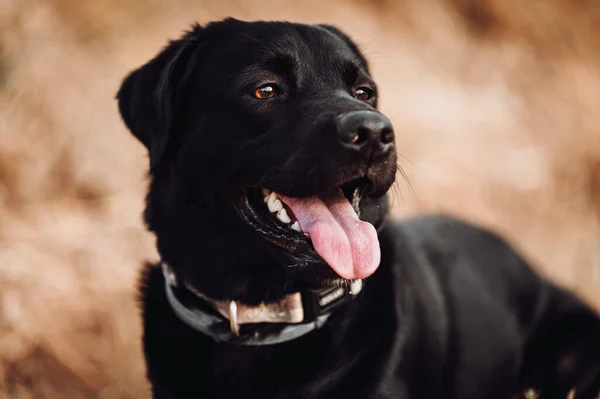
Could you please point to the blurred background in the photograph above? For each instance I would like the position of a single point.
(494, 103)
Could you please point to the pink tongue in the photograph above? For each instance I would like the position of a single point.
(349, 245)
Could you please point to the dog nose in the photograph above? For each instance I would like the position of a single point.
(364, 130)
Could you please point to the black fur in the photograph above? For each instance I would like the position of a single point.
(452, 311)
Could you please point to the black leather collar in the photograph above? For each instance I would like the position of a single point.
(199, 312)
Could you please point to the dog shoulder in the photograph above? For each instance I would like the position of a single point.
(445, 240)
(469, 260)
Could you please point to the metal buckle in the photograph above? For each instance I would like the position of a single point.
(355, 287)
(320, 302)
(233, 319)
(331, 297)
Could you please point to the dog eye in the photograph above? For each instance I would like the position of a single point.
(363, 93)
(266, 91)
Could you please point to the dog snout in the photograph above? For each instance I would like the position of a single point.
(365, 132)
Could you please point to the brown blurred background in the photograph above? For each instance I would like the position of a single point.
(494, 104)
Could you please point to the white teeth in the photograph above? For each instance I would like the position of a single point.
(266, 193)
(296, 226)
(273, 203)
(270, 198)
(276, 206)
(283, 216)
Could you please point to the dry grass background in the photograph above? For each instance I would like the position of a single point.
(494, 104)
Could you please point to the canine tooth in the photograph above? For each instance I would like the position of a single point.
(266, 193)
(270, 198)
(283, 216)
(296, 226)
(273, 203)
(356, 197)
(275, 206)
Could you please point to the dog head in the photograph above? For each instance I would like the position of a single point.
(265, 148)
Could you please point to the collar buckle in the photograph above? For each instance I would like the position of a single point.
(324, 301)
(233, 319)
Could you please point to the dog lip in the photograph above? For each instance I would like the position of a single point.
(305, 259)
(347, 184)
(277, 233)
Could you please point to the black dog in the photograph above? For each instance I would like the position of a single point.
(270, 165)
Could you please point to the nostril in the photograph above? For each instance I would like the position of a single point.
(387, 136)
(360, 136)
(364, 130)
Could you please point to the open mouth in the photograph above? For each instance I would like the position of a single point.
(325, 225)
(279, 209)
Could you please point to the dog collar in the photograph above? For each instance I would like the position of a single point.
(303, 312)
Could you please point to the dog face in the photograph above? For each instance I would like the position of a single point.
(265, 147)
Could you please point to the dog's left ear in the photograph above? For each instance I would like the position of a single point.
(148, 96)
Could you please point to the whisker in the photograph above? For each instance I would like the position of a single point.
(407, 180)
(406, 159)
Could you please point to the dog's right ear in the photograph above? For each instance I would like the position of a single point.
(148, 96)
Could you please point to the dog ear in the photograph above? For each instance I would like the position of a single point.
(349, 42)
(148, 96)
